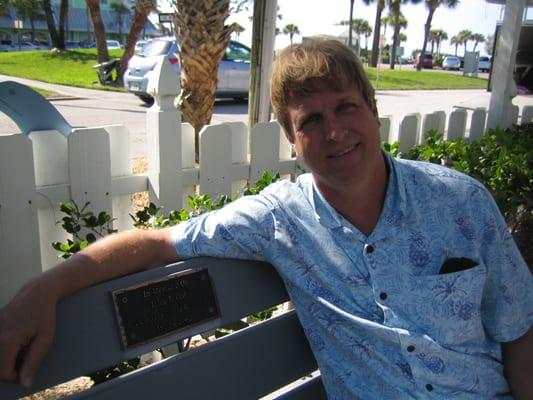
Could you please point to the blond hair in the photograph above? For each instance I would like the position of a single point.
(299, 67)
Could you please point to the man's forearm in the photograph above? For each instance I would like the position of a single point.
(112, 256)
(518, 365)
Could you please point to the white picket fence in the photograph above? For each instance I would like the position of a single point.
(40, 170)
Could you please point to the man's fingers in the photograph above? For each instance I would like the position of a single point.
(33, 358)
(8, 356)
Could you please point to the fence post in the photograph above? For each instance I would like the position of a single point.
(266, 149)
(384, 128)
(477, 126)
(409, 128)
(527, 114)
(456, 124)
(163, 130)
(215, 160)
(436, 120)
(50, 157)
(19, 228)
(89, 160)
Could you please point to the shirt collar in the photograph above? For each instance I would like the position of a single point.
(393, 208)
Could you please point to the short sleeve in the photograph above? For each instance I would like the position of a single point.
(243, 229)
(507, 307)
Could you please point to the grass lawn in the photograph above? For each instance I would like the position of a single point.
(71, 68)
(74, 68)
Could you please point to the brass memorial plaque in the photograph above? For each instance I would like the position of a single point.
(158, 308)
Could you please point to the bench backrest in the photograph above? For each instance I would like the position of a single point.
(250, 363)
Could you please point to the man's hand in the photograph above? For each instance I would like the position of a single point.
(27, 326)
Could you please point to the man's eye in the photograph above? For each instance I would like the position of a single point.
(309, 120)
(347, 107)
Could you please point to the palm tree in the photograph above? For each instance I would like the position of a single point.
(432, 38)
(203, 37)
(121, 11)
(399, 22)
(465, 35)
(291, 30)
(456, 41)
(380, 5)
(99, 30)
(237, 29)
(141, 11)
(56, 35)
(362, 27)
(432, 6)
(477, 38)
(440, 36)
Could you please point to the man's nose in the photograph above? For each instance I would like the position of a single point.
(334, 130)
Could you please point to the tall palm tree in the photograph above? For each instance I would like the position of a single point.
(440, 36)
(141, 11)
(203, 37)
(432, 6)
(477, 38)
(56, 35)
(380, 5)
(399, 22)
(291, 30)
(121, 10)
(99, 30)
(465, 35)
(432, 38)
(456, 41)
(362, 27)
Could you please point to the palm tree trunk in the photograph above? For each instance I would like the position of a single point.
(63, 11)
(99, 30)
(377, 31)
(427, 28)
(203, 37)
(142, 10)
(350, 25)
(47, 7)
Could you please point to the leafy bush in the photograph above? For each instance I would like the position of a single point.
(502, 160)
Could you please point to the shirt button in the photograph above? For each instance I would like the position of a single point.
(369, 249)
(410, 348)
(429, 387)
(383, 296)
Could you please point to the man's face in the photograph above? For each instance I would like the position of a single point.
(337, 136)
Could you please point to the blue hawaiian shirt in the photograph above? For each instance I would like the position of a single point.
(382, 321)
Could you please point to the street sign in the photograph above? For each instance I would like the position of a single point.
(166, 18)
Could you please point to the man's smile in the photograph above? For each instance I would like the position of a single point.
(343, 152)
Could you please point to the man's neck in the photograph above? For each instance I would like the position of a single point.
(361, 204)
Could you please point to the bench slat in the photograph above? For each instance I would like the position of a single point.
(245, 365)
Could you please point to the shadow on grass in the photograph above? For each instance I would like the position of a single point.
(72, 55)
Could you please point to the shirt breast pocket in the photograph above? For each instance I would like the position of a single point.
(448, 306)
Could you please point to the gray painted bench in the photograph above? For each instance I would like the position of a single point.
(248, 364)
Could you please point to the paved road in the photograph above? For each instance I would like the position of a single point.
(85, 107)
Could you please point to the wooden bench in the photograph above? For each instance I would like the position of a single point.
(251, 363)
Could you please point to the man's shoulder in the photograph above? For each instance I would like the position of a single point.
(285, 193)
(430, 173)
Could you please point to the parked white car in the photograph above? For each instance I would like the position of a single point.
(233, 71)
(484, 64)
(451, 62)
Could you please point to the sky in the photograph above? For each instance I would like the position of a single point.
(321, 16)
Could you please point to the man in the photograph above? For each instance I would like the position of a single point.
(403, 274)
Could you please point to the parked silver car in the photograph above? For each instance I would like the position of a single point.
(233, 71)
(451, 62)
